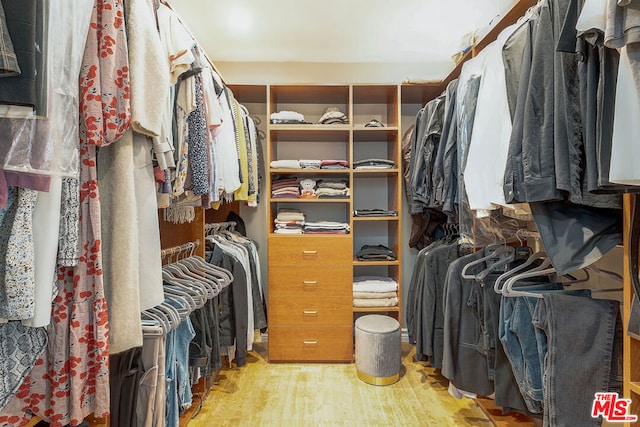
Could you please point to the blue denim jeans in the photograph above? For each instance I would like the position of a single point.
(184, 335)
(580, 334)
(524, 346)
(521, 346)
(172, 415)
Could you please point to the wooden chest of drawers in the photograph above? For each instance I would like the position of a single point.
(310, 299)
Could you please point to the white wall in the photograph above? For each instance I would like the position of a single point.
(326, 72)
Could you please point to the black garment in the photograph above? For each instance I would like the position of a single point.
(514, 188)
(377, 163)
(375, 253)
(576, 236)
(412, 305)
(596, 75)
(512, 55)
(466, 114)
(464, 360)
(125, 370)
(374, 212)
(23, 18)
(430, 325)
(8, 60)
(443, 175)
(406, 147)
(233, 305)
(424, 146)
(447, 195)
(239, 227)
(259, 314)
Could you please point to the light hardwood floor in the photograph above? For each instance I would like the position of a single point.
(263, 394)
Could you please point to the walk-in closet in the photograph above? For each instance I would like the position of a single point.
(363, 213)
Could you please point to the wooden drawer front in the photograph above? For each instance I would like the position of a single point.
(321, 311)
(309, 344)
(311, 282)
(305, 251)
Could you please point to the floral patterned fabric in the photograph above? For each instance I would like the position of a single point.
(17, 277)
(71, 380)
(69, 223)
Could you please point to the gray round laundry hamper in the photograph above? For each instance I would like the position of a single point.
(378, 358)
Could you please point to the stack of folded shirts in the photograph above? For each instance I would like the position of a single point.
(374, 212)
(289, 221)
(375, 291)
(334, 164)
(333, 115)
(287, 118)
(374, 164)
(285, 164)
(285, 187)
(375, 253)
(326, 227)
(328, 188)
(310, 164)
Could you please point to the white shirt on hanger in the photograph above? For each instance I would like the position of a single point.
(625, 151)
(489, 147)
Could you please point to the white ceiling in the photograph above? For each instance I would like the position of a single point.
(344, 31)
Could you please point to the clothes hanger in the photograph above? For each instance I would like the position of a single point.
(501, 251)
(181, 305)
(172, 318)
(508, 291)
(179, 292)
(546, 262)
(605, 273)
(198, 277)
(162, 321)
(219, 275)
(172, 273)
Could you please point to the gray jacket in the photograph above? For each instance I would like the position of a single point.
(424, 143)
(464, 359)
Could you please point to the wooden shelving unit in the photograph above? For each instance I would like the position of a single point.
(351, 142)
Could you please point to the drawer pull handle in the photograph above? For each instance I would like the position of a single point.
(309, 252)
(310, 282)
(310, 312)
(310, 342)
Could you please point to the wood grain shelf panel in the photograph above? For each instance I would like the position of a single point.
(303, 200)
(376, 309)
(634, 387)
(309, 171)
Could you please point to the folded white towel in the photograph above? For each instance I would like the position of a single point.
(285, 164)
(375, 287)
(374, 295)
(375, 302)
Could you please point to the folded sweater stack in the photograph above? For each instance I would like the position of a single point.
(326, 227)
(310, 164)
(375, 291)
(285, 187)
(375, 253)
(289, 221)
(328, 188)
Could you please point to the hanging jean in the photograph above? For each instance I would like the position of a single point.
(580, 334)
(171, 410)
(184, 335)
